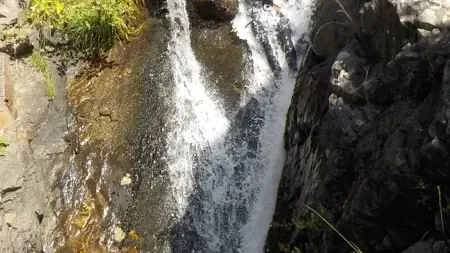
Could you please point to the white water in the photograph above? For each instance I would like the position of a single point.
(225, 176)
(197, 120)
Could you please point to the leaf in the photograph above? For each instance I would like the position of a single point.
(133, 235)
(234, 86)
(126, 180)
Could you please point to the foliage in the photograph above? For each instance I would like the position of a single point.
(41, 64)
(90, 26)
(3, 144)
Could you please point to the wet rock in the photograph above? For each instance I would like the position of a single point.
(213, 10)
(119, 129)
(221, 54)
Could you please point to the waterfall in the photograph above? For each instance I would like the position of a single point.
(225, 170)
(192, 108)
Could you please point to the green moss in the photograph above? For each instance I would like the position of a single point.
(91, 26)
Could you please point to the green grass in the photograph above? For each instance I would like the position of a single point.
(41, 64)
(3, 144)
(90, 26)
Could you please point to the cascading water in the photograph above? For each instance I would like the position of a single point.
(225, 171)
(193, 107)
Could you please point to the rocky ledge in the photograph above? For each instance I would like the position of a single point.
(367, 135)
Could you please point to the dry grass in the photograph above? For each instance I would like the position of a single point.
(322, 28)
(350, 243)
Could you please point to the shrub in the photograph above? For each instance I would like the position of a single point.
(90, 26)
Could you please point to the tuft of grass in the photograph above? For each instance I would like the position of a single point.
(3, 144)
(41, 64)
(350, 243)
(90, 26)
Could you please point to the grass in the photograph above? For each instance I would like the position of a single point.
(350, 243)
(41, 64)
(440, 210)
(90, 26)
(3, 144)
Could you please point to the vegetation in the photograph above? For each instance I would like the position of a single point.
(89, 26)
(3, 144)
(41, 64)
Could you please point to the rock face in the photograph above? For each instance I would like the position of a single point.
(36, 129)
(367, 138)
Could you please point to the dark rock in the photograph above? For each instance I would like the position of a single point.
(156, 8)
(381, 30)
(215, 11)
(420, 247)
(367, 148)
(439, 247)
